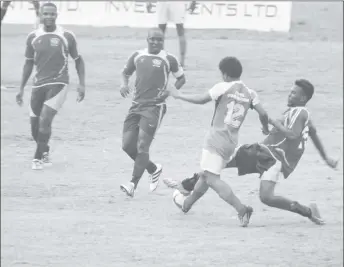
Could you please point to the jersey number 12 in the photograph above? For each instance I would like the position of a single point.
(235, 112)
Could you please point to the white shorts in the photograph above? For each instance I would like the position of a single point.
(273, 173)
(212, 162)
(173, 12)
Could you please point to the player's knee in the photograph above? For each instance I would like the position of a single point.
(44, 124)
(127, 145)
(142, 146)
(265, 196)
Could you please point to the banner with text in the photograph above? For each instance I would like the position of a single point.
(258, 15)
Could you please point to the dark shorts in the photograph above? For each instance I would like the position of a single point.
(146, 118)
(52, 95)
(252, 158)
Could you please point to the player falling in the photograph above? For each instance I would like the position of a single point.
(278, 154)
(168, 11)
(48, 49)
(152, 66)
(232, 99)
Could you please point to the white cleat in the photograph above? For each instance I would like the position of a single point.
(129, 189)
(37, 164)
(178, 200)
(46, 159)
(155, 178)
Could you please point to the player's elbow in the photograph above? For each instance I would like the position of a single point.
(180, 82)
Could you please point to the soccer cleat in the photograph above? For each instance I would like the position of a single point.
(178, 200)
(176, 185)
(245, 215)
(46, 159)
(155, 178)
(315, 215)
(129, 189)
(37, 164)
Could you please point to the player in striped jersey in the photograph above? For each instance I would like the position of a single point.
(232, 100)
(48, 49)
(153, 67)
(278, 154)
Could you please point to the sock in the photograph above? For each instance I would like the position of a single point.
(189, 183)
(301, 209)
(141, 162)
(42, 144)
(200, 189)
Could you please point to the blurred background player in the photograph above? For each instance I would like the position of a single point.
(279, 153)
(152, 66)
(232, 99)
(4, 8)
(48, 49)
(174, 12)
(36, 5)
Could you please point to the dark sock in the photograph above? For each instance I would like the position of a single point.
(42, 144)
(189, 183)
(301, 209)
(141, 162)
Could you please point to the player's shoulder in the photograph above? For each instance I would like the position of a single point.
(66, 33)
(300, 112)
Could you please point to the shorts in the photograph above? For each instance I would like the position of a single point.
(51, 95)
(147, 119)
(173, 12)
(253, 158)
(212, 162)
(273, 173)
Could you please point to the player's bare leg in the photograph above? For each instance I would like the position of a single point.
(182, 43)
(225, 192)
(44, 133)
(267, 196)
(199, 190)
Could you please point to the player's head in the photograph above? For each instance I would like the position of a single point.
(230, 68)
(155, 40)
(300, 93)
(48, 14)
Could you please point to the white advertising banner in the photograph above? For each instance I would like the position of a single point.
(259, 15)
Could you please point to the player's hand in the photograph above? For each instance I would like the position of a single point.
(19, 98)
(265, 131)
(124, 91)
(81, 93)
(173, 92)
(331, 162)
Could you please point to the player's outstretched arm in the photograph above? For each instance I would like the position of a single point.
(80, 69)
(199, 99)
(317, 143)
(263, 117)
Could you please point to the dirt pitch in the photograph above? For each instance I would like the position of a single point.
(73, 214)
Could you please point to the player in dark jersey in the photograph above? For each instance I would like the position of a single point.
(48, 49)
(278, 154)
(152, 66)
(6, 4)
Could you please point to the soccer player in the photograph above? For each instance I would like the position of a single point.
(48, 49)
(232, 99)
(173, 12)
(35, 4)
(153, 66)
(278, 154)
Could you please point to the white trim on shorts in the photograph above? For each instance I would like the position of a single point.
(273, 173)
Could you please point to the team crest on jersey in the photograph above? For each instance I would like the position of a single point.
(54, 41)
(157, 63)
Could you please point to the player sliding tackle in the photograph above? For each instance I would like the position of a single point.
(48, 48)
(152, 67)
(279, 153)
(232, 99)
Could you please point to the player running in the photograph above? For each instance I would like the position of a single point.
(48, 48)
(168, 11)
(152, 66)
(232, 99)
(279, 153)
(35, 4)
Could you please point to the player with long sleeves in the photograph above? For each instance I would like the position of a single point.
(152, 66)
(48, 49)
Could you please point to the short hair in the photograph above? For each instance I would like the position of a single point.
(306, 86)
(48, 4)
(231, 66)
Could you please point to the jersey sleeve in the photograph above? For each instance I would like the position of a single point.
(254, 98)
(218, 90)
(298, 120)
(130, 66)
(175, 67)
(29, 50)
(72, 45)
